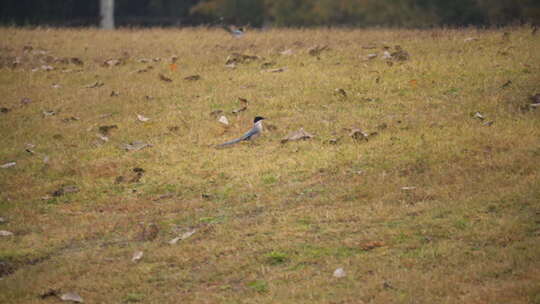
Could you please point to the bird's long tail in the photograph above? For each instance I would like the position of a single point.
(232, 142)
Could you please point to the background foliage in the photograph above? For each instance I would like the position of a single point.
(407, 13)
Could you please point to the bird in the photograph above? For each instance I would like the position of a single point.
(253, 133)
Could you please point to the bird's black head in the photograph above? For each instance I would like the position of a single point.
(257, 118)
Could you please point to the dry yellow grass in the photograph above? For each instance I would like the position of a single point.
(273, 221)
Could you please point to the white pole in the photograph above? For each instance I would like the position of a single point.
(107, 14)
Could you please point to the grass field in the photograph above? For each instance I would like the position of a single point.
(440, 204)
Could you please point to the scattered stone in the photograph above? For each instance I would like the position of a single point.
(71, 297)
(8, 165)
(339, 273)
(5, 233)
(223, 120)
(137, 256)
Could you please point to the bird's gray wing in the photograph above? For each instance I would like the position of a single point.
(246, 136)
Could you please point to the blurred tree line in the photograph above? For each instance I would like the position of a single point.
(403, 13)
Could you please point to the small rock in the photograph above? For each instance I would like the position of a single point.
(137, 256)
(5, 233)
(8, 165)
(71, 297)
(224, 120)
(339, 273)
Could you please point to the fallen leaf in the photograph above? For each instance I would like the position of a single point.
(216, 113)
(278, 70)
(65, 189)
(239, 110)
(26, 101)
(236, 58)
(47, 68)
(297, 135)
(5, 233)
(371, 245)
(479, 115)
(142, 118)
(371, 56)
(339, 273)
(102, 137)
(317, 50)
(106, 129)
(535, 99)
(341, 92)
(135, 146)
(506, 84)
(49, 293)
(150, 232)
(408, 188)
(111, 62)
(358, 134)
(114, 93)
(193, 77)
(76, 61)
(8, 165)
(49, 113)
(137, 256)
(184, 236)
(164, 78)
(223, 120)
(286, 52)
(71, 297)
(173, 67)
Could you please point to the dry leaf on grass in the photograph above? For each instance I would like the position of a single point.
(297, 135)
(371, 245)
(193, 78)
(135, 146)
(184, 236)
(340, 92)
(236, 58)
(114, 94)
(239, 110)
(317, 50)
(65, 189)
(358, 134)
(278, 70)
(26, 101)
(149, 233)
(94, 85)
(105, 130)
(8, 165)
(111, 62)
(164, 78)
(71, 297)
(286, 52)
(137, 256)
